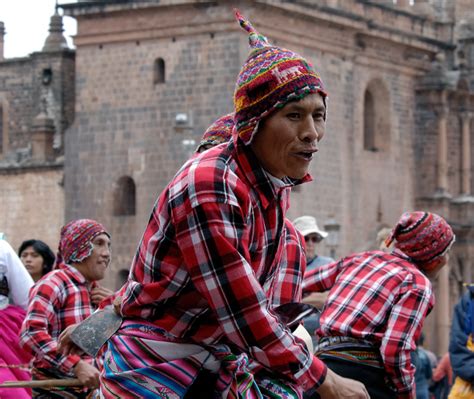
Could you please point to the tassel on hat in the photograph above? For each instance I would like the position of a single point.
(270, 78)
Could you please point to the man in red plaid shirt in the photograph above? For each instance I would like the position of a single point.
(377, 304)
(63, 297)
(198, 307)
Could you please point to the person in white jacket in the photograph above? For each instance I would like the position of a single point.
(15, 283)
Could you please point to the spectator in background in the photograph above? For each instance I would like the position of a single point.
(423, 371)
(64, 297)
(461, 346)
(313, 235)
(37, 258)
(442, 378)
(15, 282)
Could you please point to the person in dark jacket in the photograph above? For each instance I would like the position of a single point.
(462, 327)
(423, 373)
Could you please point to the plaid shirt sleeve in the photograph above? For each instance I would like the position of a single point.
(322, 278)
(215, 247)
(404, 327)
(35, 335)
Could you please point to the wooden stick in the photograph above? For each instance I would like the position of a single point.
(71, 382)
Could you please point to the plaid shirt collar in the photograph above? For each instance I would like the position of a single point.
(73, 273)
(268, 187)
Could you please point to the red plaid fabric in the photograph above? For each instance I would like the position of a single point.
(378, 297)
(59, 299)
(208, 264)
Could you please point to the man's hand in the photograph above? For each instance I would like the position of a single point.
(65, 344)
(100, 293)
(87, 374)
(317, 299)
(117, 304)
(337, 387)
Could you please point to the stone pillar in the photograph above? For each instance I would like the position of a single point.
(466, 153)
(442, 311)
(42, 137)
(2, 40)
(442, 151)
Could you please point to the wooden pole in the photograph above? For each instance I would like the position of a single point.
(73, 382)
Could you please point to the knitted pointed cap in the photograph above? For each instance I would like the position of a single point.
(219, 132)
(422, 236)
(269, 79)
(75, 243)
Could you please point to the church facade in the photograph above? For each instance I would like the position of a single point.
(147, 78)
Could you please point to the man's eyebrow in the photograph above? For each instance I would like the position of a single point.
(295, 106)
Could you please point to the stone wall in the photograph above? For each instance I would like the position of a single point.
(32, 205)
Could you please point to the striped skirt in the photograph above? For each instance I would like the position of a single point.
(144, 361)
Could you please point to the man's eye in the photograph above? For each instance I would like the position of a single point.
(293, 115)
(318, 116)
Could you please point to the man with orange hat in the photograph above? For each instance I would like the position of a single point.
(64, 297)
(198, 309)
(378, 302)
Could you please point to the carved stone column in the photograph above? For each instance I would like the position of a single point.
(442, 307)
(442, 151)
(466, 153)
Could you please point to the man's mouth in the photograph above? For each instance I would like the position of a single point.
(307, 155)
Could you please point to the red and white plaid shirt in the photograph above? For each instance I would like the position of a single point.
(211, 263)
(58, 300)
(378, 297)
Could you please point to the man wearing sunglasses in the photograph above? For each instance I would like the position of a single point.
(313, 235)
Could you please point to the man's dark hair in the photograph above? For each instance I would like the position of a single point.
(43, 249)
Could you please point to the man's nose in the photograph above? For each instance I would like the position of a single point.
(309, 132)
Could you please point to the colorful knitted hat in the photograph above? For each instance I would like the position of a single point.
(75, 243)
(219, 132)
(422, 236)
(269, 79)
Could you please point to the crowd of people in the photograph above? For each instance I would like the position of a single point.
(201, 313)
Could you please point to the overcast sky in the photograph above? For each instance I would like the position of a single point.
(27, 24)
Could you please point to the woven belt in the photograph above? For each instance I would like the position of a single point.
(350, 349)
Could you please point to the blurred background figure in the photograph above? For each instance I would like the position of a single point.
(219, 132)
(442, 378)
(382, 235)
(15, 283)
(37, 257)
(313, 235)
(461, 346)
(424, 370)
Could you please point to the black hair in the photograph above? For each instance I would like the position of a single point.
(43, 249)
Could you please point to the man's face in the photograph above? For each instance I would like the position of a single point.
(287, 139)
(93, 268)
(311, 240)
(440, 263)
(33, 262)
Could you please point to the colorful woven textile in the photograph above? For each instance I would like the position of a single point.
(422, 236)
(12, 357)
(75, 243)
(270, 78)
(219, 132)
(144, 359)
